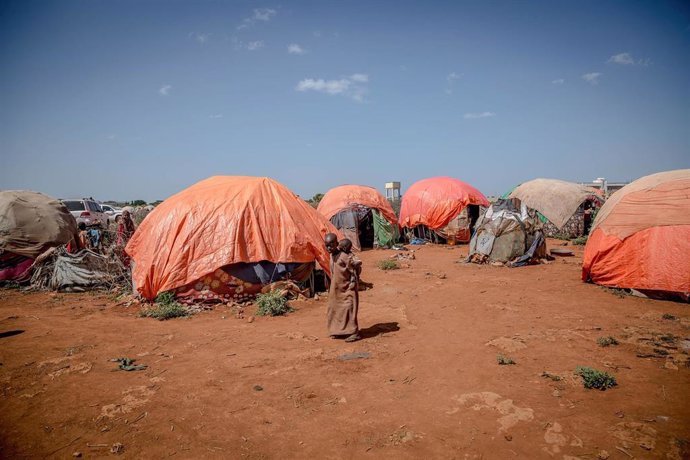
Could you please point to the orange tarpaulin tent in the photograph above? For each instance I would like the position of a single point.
(339, 198)
(220, 221)
(640, 238)
(378, 226)
(434, 202)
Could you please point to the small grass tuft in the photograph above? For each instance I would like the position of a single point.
(618, 292)
(668, 316)
(551, 376)
(10, 285)
(592, 378)
(580, 240)
(504, 360)
(272, 304)
(166, 307)
(607, 341)
(388, 264)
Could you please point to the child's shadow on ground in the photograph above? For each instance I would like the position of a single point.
(378, 329)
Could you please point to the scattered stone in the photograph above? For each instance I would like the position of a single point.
(669, 365)
(647, 445)
(76, 455)
(409, 436)
(603, 455)
(258, 388)
(117, 448)
(250, 319)
(354, 355)
(508, 437)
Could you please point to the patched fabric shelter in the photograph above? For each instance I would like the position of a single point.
(640, 238)
(445, 205)
(507, 233)
(362, 214)
(30, 224)
(225, 237)
(563, 205)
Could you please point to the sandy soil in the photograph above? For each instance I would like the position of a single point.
(429, 388)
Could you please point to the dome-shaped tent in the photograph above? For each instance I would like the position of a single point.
(640, 238)
(507, 233)
(30, 223)
(562, 204)
(445, 205)
(225, 236)
(362, 214)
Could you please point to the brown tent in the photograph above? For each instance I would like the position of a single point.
(31, 222)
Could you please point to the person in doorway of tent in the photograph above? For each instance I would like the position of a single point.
(343, 295)
(125, 229)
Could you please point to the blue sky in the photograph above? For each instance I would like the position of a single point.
(140, 99)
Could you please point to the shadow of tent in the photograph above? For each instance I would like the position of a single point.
(378, 329)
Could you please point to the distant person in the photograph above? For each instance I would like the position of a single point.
(125, 229)
(83, 236)
(343, 295)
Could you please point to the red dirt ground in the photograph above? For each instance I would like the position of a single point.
(431, 387)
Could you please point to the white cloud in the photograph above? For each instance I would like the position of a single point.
(112, 137)
(628, 59)
(264, 14)
(199, 37)
(622, 58)
(317, 33)
(352, 86)
(450, 79)
(470, 116)
(216, 116)
(592, 78)
(252, 46)
(294, 48)
(259, 14)
(324, 86)
(164, 90)
(558, 81)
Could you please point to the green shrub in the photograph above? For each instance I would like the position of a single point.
(668, 316)
(504, 360)
(606, 341)
(388, 264)
(272, 304)
(592, 378)
(166, 307)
